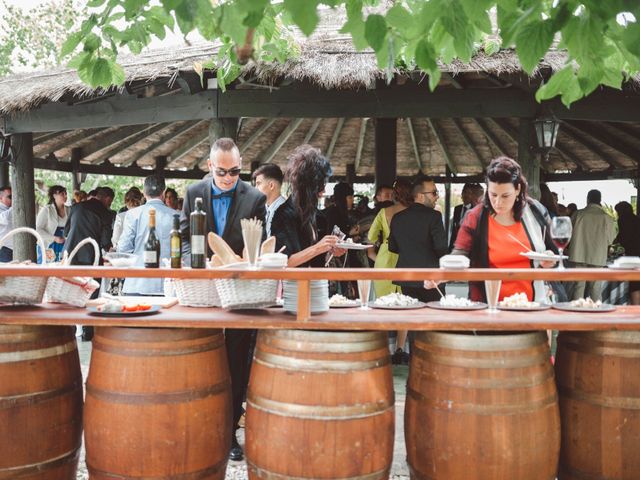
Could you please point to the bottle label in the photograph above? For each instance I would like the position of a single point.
(175, 251)
(197, 244)
(150, 256)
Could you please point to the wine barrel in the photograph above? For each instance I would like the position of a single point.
(158, 404)
(40, 403)
(598, 377)
(320, 405)
(481, 408)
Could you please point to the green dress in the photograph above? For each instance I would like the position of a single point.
(385, 258)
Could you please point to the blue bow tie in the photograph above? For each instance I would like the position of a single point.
(223, 194)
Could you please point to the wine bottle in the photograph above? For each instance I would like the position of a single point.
(197, 226)
(152, 243)
(176, 243)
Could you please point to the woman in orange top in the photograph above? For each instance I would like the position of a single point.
(494, 233)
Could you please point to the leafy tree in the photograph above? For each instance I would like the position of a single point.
(602, 38)
(32, 39)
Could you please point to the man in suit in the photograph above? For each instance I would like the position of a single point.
(471, 196)
(418, 237)
(6, 223)
(136, 230)
(226, 200)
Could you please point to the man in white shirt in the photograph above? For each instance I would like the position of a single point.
(268, 179)
(6, 223)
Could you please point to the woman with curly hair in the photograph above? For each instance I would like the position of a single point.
(297, 224)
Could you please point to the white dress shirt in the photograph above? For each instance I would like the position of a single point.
(271, 209)
(6, 224)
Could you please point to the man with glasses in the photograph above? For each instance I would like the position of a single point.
(418, 237)
(6, 223)
(226, 200)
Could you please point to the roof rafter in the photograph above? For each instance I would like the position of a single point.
(255, 135)
(491, 137)
(414, 143)
(312, 130)
(129, 141)
(602, 135)
(187, 127)
(334, 138)
(359, 148)
(61, 143)
(579, 137)
(107, 141)
(184, 149)
(468, 142)
(443, 145)
(281, 140)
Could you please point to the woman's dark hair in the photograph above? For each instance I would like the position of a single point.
(53, 190)
(506, 170)
(402, 192)
(546, 199)
(624, 209)
(307, 173)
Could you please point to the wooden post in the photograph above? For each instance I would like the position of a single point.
(24, 201)
(76, 155)
(638, 190)
(4, 174)
(223, 127)
(447, 200)
(161, 163)
(385, 147)
(528, 158)
(351, 173)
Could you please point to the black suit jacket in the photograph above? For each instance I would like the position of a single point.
(418, 237)
(88, 219)
(247, 202)
(455, 224)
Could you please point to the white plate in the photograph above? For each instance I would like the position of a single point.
(623, 266)
(438, 306)
(353, 246)
(567, 307)
(532, 308)
(542, 256)
(398, 307)
(454, 267)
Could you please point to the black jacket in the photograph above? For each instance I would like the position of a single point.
(418, 237)
(89, 219)
(247, 202)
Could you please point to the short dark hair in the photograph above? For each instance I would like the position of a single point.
(594, 196)
(53, 189)
(270, 171)
(92, 193)
(154, 186)
(416, 188)
(171, 190)
(5, 187)
(225, 144)
(105, 192)
(382, 187)
(506, 170)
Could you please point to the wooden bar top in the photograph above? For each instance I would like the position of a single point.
(624, 318)
(468, 274)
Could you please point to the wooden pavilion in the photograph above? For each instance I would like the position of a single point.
(332, 96)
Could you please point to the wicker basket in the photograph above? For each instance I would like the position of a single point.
(196, 292)
(74, 291)
(23, 290)
(239, 294)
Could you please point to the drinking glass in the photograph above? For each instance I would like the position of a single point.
(492, 289)
(364, 287)
(561, 230)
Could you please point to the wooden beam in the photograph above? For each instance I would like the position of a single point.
(188, 146)
(589, 144)
(5, 179)
(312, 130)
(130, 141)
(363, 131)
(68, 141)
(443, 145)
(76, 155)
(569, 155)
(45, 137)
(281, 140)
(107, 141)
(161, 164)
(351, 173)
(386, 145)
(608, 105)
(602, 135)
(489, 135)
(528, 158)
(255, 135)
(334, 138)
(468, 142)
(452, 80)
(187, 127)
(24, 201)
(414, 144)
(116, 110)
(398, 102)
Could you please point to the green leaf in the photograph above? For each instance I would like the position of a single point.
(399, 17)
(426, 56)
(478, 12)
(91, 42)
(76, 61)
(161, 15)
(612, 77)
(491, 46)
(458, 26)
(375, 31)
(156, 27)
(631, 38)
(304, 14)
(532, 42)
(231, 23)
(355, 27)
(434, 79)
(117, 74)
(589, 76)
(70, 44)
(95, 3)
(558, 83)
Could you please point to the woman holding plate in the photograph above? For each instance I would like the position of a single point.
(508, 223)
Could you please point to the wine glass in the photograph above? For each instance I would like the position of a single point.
(561, 230)
(364, 287)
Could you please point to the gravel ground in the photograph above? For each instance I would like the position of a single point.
(238, 470)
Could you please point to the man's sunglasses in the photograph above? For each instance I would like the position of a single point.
(221, 172)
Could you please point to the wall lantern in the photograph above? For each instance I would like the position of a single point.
(5, 147)
(546, 132)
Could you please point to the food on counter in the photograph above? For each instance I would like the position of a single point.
(586, 303)
(450, 300)
(518, 300)
(117, 307)
(396, 300)
(341, 301)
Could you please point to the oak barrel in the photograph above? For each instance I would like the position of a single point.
(320, 405)
(40, 403)
(598, 377)
(481, 408)
(158, 404)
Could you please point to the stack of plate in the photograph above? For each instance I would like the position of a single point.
(624, 263)
(454, 262)
(319, 296)
(273, 261)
